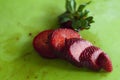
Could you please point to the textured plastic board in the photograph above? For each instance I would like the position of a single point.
(21, 20)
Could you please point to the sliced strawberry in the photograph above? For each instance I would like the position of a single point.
(59, 36)
(82, 53)
(41, 44)
(89, 56)
(74, 48)
(105, 62)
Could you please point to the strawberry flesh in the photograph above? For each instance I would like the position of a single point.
(59, 36)
(89, 56)
(41, 44)
(74, 49)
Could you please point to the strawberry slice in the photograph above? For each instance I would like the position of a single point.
(105, 62)
(74, 49)
(89, 57)
(59, 36)
(41, 44)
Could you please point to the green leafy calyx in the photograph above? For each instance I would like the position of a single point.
(79, 17)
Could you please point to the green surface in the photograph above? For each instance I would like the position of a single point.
(20, 18)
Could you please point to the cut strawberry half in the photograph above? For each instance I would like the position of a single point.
(41, 44)
(59, 36)
(105, 62)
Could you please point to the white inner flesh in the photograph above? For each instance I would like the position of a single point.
(82, 45)
(96, 54)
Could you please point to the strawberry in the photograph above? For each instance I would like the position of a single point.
(58, 37)
(41, 44)
(105, 62)
(66, 42)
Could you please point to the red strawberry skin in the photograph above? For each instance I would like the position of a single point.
(41, 44)
(89, 56)
(105, 62)
(59, 36)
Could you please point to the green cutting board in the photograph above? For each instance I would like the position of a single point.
(21, 20)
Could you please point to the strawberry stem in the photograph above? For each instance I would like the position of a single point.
(78, 17)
